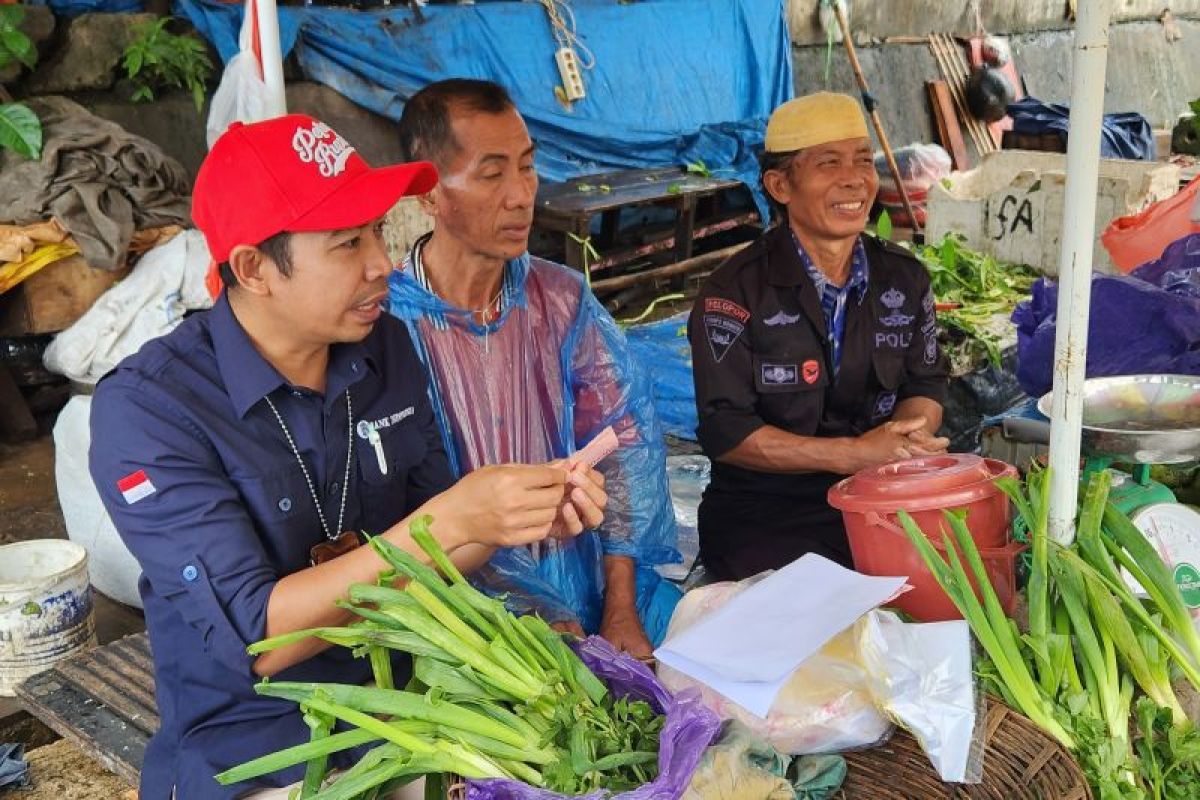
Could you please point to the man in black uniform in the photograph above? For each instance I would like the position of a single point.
(815, 351)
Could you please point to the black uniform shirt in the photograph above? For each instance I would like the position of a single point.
(761, 356)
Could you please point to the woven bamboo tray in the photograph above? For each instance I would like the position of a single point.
(1021, 762)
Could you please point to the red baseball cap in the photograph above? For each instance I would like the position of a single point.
(295, 174)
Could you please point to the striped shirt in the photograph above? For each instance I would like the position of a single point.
(834, 297)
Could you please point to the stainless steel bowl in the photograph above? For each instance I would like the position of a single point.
(1144, 419)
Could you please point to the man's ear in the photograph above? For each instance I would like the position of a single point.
(249, 265)
(778, 185)
(429, 202)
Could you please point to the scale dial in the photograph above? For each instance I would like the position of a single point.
(1174, 531)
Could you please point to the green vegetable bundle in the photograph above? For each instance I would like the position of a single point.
(986, 290)
(492, 695)
(1091, 642)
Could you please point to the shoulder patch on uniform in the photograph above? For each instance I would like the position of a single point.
(135, 486)
(724, 322)
(719, 305)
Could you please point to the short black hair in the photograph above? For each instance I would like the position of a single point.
(768, 161)
(278, 248)
(425, 125)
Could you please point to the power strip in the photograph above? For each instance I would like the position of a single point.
(568, 70)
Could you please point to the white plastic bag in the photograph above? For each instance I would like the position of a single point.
(241, 95)
(826, 706)
(920, 675)
(165, 283)
(112, 568)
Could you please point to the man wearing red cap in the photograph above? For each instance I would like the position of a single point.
(236, 454)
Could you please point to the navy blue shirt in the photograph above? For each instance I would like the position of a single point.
(204, 489)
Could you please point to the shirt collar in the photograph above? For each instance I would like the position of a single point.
(858, 270)
(249, 377)
(412, 276)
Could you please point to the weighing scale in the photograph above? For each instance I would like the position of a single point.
(1135, 422)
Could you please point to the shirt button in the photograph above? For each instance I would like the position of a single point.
(285, 504)
(354, 366)
(333, 487)
(190, 573)
(297, 393)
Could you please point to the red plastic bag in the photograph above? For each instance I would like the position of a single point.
(1138, 238)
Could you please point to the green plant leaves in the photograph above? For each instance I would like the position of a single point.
(20, 130)
(158, 59)
(14, 44)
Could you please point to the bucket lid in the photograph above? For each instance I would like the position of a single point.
(919, 483)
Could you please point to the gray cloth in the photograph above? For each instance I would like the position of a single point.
(98, 180)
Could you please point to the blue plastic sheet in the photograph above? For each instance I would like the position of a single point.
(1144, 322)
(1126, 135)
(687, 732)
(674, 81)
(14, 769)
(662, 351)
(73, 8)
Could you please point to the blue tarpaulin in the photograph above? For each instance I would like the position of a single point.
(73, 8)
(662, 351)
(1124, 135)
(674, 81)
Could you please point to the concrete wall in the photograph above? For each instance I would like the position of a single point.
(1147, 72)
(879, 19)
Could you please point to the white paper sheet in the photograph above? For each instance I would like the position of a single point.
(750, 646)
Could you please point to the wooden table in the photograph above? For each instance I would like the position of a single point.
(569, 208)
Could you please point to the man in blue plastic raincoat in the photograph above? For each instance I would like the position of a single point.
(526, 366)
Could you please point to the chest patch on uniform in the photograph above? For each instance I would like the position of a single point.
(724, 322)
(884, 405)
(779, 375)
(893, 300)
(811, 370)
(781, 319)
(897, 341)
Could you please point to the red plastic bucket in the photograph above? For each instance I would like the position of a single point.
(924, 487)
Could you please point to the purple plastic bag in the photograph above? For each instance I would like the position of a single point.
(689, 729)
(1145, 322)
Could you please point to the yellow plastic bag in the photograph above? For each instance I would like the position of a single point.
(14, 272)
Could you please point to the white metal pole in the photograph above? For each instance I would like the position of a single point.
(1088, 66)
(272, 56)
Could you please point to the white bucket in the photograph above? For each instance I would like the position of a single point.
(45, 608)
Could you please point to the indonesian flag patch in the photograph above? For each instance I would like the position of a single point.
(136, 486)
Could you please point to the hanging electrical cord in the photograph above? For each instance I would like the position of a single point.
(562, 23)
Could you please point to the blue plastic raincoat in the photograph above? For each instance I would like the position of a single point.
(536, 385)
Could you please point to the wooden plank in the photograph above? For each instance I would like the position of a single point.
(631, 187)
(54, 298)
(610, 260)
(949, 131)
(685, 228)
(109, 686)
(102, 700)
(693, 264)
(953, 64)
(102, 735)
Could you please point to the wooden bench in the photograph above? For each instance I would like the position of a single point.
(568, 208)
(102, 701)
